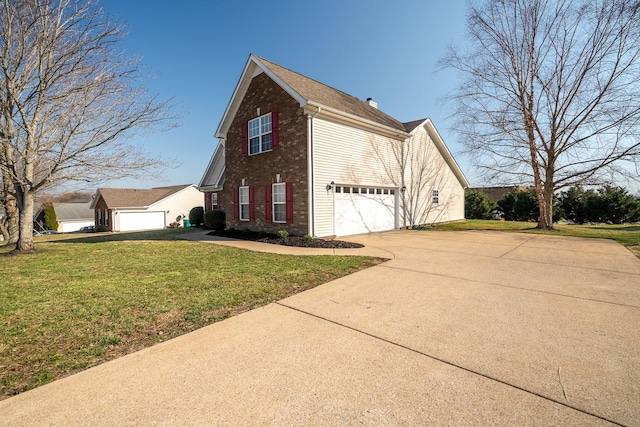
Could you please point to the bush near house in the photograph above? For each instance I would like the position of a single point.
(215, 220)
(522, 205)
(196, 216)
(478, 205)
(50, 220)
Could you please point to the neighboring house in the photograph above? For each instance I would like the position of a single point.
(128, 209)
(73, 216)
(296, 154)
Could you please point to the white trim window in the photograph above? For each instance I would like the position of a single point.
(260, 136)
(279, 202)
(243, 197)
(214, 202)
(99, 217)
(106, 217)
(435, 196)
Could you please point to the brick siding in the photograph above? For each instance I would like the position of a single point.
(289, 159)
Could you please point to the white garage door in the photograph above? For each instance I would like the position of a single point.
(364, 210)
(131, 221)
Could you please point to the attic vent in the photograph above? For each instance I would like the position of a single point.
(371, 102)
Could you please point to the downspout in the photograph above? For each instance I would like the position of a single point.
(312, 225)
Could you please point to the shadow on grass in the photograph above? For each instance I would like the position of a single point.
(100, 237)
(626, 228)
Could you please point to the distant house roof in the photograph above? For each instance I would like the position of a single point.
(136, 198)
(73, 211)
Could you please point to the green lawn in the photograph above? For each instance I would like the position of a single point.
(627, 234)
(81, 300)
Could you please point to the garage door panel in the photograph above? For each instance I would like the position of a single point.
(132, 221)
(357, 213)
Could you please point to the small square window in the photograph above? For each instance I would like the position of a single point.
(363, 191)
(354, 190)
(372, 191)
(385, 191)
(347, 189)
(392, 191)
(338, 189)
(378, 190)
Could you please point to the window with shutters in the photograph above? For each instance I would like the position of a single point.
(260, 135)
(214, 201)
(279, 203)
(106, 217)
(243, 197)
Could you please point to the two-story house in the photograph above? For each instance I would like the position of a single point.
(296, 154)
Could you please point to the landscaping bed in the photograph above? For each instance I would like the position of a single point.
(297, 241)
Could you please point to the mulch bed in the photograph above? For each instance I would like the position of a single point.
(297, 241)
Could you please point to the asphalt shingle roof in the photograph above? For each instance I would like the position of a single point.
(73, 211)
(137, 198)
(320, 93)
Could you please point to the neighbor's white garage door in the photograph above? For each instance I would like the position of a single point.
(131, 221)
(364, 210)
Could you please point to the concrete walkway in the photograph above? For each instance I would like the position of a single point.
(458, 328)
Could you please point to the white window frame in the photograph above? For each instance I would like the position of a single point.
(260, 128)
(214, 202)
(435, 196)
(280, 201)
(106, 217)
(99, 217)
(243, 200)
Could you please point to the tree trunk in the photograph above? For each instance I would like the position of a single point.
(11, 212)
(25, 205)
(545, 203)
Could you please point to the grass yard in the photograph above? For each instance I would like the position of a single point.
(81, 300)
(627, 234)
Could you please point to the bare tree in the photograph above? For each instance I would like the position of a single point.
(550, 92)
(70, 97)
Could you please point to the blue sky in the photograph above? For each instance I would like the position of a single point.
(195, 51)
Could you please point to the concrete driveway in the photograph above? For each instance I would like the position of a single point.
(460, 328)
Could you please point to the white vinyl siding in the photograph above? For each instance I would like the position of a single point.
(342, 154)
(356, 158)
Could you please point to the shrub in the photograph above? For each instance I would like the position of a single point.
(478, 205)
(607, 204)
(215, 220)
(520, 205)
(283, 234)
(196, 216)
(50, 220)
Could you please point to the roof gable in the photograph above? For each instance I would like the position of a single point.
(308, 93)
(136, 198)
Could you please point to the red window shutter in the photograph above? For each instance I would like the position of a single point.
(236, 203)
(252, 205)
(267, 203)
(289, 200)
(245, 138)
(274, 129)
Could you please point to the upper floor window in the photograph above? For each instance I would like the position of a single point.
(260, 136)
(435, 196)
